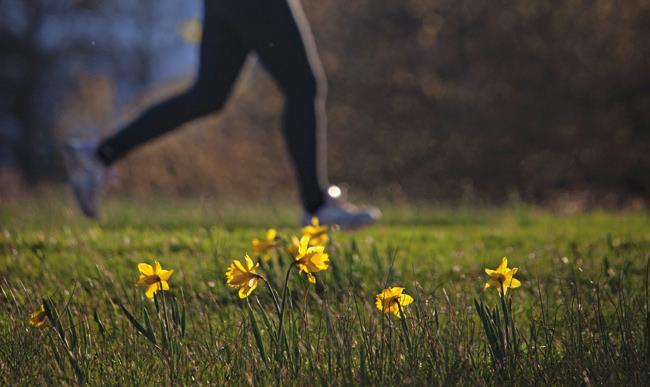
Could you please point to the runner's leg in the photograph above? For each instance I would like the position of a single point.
(280, 34)
(222, 55)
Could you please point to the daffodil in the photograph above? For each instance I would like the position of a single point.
(317, 233)
(311, 259)
(38, 318)
(264, 247)
(502, 277)
(387, 301)
(243, 277)
(153, 278)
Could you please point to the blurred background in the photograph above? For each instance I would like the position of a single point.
(442, 101)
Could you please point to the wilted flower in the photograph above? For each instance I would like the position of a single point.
(311, 259)
(317, 233)
(153, 278)
(387, 301)
(264, 247)
(502, 277)
(38, 318)
(243, 277)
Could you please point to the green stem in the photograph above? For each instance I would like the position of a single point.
(284, 302)
(273, 295)
(404, 326)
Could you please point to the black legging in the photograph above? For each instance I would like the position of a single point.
(278, 32)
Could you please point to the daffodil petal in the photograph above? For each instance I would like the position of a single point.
(153, 288)
(503, 265)
(165, 274)
(396, 291)
(515, 283)
(239, 266)
(304, 244)
(249, 263)
(405, 299)
(157, 267)
(145, 268)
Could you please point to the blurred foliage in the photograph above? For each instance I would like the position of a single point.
(444, 99)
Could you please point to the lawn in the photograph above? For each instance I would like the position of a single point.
(580, 316)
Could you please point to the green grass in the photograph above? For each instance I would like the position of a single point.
(581, 316)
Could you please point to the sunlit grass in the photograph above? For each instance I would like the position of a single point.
(579, 317)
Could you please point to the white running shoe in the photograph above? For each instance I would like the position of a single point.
(87, 174)
(339, 212)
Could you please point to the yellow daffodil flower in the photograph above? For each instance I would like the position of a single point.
(317, 233)
(153, 278)
(502, 277)
(387, 301)
(243, 277)
(311, 259)
(264, 247)
(38, 318)
(293, 247)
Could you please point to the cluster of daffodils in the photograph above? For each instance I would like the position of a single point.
(308, 256)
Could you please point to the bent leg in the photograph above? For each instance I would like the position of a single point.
(285, 45)
(222, 55)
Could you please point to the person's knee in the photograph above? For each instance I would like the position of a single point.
(307, 88)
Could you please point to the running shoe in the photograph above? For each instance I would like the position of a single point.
(337, 211)
(86, 173)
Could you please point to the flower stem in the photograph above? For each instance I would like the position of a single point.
(404, 326)
(284, 302)
(273, 295)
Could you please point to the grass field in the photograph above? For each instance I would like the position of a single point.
(579, 318)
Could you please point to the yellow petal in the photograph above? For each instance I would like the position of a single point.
(165, 285)
(396, 291)
(304, 244)
(271, 234)
(405, 299)
(379, 302)
(165, 274)
(156, 267)
(490, 271)
(145, 269)
(247, 289)
(239, 266)
(249, 263)
(503, 266)
(515, 283)
(311, 278)
(153, 288)
(315, 249)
